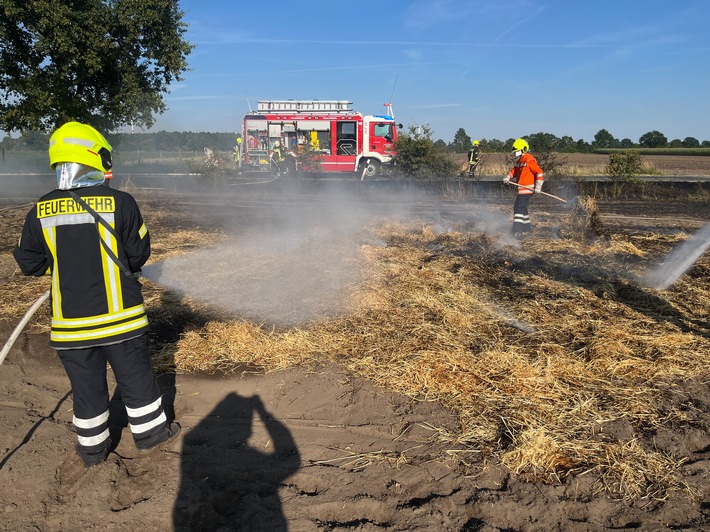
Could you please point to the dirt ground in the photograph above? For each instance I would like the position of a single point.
(300, 449)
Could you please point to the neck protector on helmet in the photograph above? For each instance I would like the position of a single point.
(75, 175)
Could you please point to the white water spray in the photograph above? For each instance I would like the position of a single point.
(678, 261)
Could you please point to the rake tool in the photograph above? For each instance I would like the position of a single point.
(541, 192)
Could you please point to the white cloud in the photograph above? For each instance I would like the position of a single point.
(413, 54)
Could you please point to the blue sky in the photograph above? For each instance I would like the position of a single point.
(497, 69)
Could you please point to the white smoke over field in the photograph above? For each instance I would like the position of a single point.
(300, 264)
(283, 279)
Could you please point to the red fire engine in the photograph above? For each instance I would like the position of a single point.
(283, 134)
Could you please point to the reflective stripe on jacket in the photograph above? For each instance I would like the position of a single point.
(525, 172)
(93, 302)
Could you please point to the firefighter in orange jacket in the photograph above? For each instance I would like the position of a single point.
(92, 241)
(528, 177)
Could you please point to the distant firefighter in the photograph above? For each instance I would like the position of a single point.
(473, 158)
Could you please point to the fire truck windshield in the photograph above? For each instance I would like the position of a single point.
(383, 130)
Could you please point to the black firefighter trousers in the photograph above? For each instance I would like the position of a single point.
(130, 361)
(521, 216)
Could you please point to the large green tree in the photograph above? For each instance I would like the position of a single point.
(691, 142)
(566, 144)
(104, 62)
(542, 142)
(653, 139)
(462, 142)
(604, 139)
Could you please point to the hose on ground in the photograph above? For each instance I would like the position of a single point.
(20, 326)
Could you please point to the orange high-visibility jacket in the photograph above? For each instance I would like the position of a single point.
(525, 172)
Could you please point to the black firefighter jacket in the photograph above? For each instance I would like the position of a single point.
(93, 302)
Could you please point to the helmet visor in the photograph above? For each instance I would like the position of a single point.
(75, 175)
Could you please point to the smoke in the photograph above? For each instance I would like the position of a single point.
(680, 259)
(301, 256)
(290, 258)
(282, 278)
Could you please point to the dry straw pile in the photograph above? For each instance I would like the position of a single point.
(554, 359)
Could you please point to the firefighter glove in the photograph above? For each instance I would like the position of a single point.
(538, 186)
(506, 180)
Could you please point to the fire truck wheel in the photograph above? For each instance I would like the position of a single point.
(372, 167)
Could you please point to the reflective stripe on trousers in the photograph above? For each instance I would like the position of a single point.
(521, 217)
(136, 387)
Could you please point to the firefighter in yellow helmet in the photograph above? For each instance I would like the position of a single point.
(528, 177)
(237, 153)
(278, 152)
(282, 160)
(473, 158)
(93, 243)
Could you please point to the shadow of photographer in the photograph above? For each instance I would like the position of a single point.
(228, 484)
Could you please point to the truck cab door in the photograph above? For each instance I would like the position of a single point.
(382, 136)
(346, 145)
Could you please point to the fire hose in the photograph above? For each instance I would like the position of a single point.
(540, 192)
(21, 325)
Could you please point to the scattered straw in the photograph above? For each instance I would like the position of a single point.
(540, 351)
(629, 469)
(436, 320)
(583, 221)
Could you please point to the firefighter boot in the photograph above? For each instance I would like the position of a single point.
(169, 434)
(94, 457)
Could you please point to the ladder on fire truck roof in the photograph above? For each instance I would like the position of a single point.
(305, 106)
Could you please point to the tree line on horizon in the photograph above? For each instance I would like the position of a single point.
(173, 141)
(548, 142)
